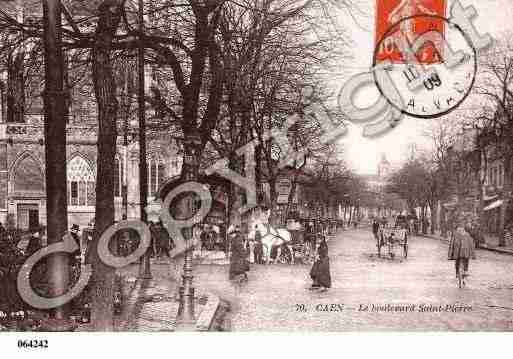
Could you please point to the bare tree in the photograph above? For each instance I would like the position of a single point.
(495, 120)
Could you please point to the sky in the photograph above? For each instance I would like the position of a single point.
(363, 154)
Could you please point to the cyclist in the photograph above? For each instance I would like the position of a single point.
(461, 247)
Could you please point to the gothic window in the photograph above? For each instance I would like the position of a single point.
(81, 183)
(156, 174)
(28, 176)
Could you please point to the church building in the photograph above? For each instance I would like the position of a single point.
(22, 172)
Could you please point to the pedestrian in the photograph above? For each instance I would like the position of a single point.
(461, 247)
(75, 256)
(204, 238)
(34, 243)
(375, 230)
(238, 261)
(74, 234)
(259, 248)
(165, 242)
(320, 272)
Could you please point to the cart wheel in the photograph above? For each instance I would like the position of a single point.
(285, 256)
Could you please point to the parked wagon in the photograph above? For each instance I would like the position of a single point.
(295, 250)
(392, 240)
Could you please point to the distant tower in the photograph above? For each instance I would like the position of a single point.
(412, 149)
(383, 167)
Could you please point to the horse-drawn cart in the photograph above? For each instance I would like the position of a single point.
(293, 250)
(390, 239)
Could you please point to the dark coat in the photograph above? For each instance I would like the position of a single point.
(164, 240)
(461, 246)
(238, 260)
(76, 238)
(375, 227)
(34, 245)
(320, 272)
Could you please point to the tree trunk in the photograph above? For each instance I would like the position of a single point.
(273, 198)
(292, 195)
(434, 224)
(443, 221)
(258, 175)
(424, 220)
(102, 280)
(55, 149)
(236, 195)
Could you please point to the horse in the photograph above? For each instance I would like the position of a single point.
(271, 237)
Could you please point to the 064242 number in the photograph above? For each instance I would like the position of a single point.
(33, 344)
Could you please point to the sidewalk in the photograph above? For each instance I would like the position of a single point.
(152, 305)
(492, 244)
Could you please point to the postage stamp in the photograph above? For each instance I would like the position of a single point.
(428, 57)
(390, 13)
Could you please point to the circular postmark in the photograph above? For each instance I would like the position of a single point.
(431, 72)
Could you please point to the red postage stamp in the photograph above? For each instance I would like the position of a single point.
(419, 17)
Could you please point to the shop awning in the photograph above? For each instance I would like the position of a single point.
(493, 205)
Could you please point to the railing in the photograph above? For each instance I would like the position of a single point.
(34, 132)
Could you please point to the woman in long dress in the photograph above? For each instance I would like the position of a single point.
(320, 272)
(238, 260)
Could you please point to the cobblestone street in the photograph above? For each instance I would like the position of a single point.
(269, 301)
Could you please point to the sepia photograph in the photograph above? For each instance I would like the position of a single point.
(261, 166)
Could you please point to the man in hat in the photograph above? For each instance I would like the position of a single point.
(74, 234)
(35, 242)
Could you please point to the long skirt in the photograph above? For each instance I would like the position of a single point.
(320, 273)
(238, 265)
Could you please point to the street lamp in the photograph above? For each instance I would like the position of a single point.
(186, 317)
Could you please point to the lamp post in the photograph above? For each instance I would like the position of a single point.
(186, 313)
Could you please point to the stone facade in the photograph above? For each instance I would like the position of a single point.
(22, 173)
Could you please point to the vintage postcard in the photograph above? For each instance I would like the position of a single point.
(255, 166)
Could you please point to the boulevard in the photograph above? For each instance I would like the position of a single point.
(422, 288)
